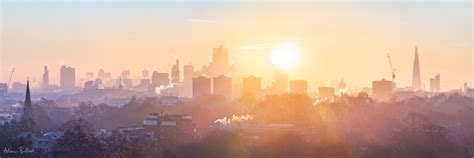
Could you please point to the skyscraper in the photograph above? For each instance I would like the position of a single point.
(220, 61)
(382, 89)
(416, 81)
(435, 83)
(281, 80)
(125, 74)
(67, 78)
(327, 92)
(201, 86)
(160, 79)
(175, 73)
(222, 86)
(252, 84)
(125, 79)
(298, 86)
(27, 117)
(145, 74)
(188, 74)
(219, 64)
(101, 74)
(45, 77)
(89, 76)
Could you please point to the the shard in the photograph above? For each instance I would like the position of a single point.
(416, 81)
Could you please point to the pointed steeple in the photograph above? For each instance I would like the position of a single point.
(27, 117)
(27, 96)
(416, 81)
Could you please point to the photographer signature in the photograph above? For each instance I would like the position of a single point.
(19, 150)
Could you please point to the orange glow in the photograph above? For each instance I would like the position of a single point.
(285, 56)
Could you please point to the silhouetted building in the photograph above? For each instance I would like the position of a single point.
(125, 79)
(237, 90)
(45, 78)
(175, 73)
(281, 80)
(201, 86)
(222, 86)
(145, 74)
(298, 86)
(220, 60)
(67, 78)
(160, 79)
(171, 130)
(125, 74)
(470, 92)
(219, 64)
(27, 121)
(326, 92)
(106, 77)
(3, 89)
(89, 85)
(188, 74)
(342, 84)
(252, 84)
(17, 87)
(100, 73)
(90, 76)
(382, 89)
(435, 83)
(145, 83)
(416, 81)
(127, 83)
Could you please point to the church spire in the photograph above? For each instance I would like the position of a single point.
(27, 96)
(27, 117)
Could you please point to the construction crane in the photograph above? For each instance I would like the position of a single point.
(392, 70)
(11, 75)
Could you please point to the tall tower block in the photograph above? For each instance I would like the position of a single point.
(416, 81)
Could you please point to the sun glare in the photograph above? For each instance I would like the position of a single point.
(285, 56)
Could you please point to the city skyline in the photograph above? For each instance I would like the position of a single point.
(319, 40)
(236, 78)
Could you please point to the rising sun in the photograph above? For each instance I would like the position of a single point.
(285, 56)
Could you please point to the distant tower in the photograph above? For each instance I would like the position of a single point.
(27, 117)
(298, 86)
(188, 74)
(342, 84)
(252, 84)
(120, 83)
(45, 77)
(416, 82)
(281, 80)
(175, 73)
(220, 61)
(201, 86)
(67, 80)
(145, 74)
(222, 86)
(435, 83)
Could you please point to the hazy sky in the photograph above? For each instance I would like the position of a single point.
(347, 39)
